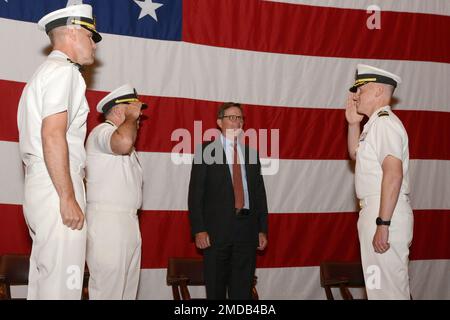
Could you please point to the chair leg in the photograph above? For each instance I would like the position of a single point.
(346, 294)
(184, 291)
(175, 292)
(85, 289)
(3, 291)
(8, 291)
(85, 293)
(329, 293)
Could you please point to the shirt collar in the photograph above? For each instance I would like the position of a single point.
(62, 55)
(226, 142)
(228, 146)
(375, 115)
(58, 54)
(110, 123)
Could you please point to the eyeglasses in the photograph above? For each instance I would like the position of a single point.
(234, 118)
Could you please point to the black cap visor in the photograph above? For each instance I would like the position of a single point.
(126, 99)
(86, 23)
(366, 78)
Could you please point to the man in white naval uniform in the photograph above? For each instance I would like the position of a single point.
(52, 127)
(385, 224)
(114, 194)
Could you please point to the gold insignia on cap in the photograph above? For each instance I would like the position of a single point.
(365, 80)
(84, 23)
(126, 100)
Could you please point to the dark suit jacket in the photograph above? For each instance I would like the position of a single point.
(211, 197)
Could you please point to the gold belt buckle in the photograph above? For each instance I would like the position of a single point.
(361, 203)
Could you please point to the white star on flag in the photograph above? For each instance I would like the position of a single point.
(148, 8)
(74, 2)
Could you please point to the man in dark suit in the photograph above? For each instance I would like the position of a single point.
(228, 208)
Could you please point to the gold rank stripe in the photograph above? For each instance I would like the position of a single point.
(127, 100)
(84, 23)
(365, 80)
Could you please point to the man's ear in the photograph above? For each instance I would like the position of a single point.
(219, 123)
(379, 91)
(71, 34)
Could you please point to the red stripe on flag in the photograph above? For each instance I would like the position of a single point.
(305, 133)
(431, 239)
(295, 239)
(315, 31)
(10, 92)
(14, 236)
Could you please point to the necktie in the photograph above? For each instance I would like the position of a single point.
(238, 188)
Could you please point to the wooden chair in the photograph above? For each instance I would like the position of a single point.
(184, 272)
(14, 271)
(342, 275)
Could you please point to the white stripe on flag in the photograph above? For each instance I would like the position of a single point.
(11, 173)
(299, 186)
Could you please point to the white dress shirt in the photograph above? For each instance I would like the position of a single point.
(228, 147)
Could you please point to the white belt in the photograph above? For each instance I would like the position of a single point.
(376, 198)
(110, 208)
(41, 167)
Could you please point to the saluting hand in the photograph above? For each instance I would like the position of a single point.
(351, 114)
(133, 110)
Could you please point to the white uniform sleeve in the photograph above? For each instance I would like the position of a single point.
(103, 138)
(387, 140)
(57, 91)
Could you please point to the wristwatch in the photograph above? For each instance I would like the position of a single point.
(381, 222)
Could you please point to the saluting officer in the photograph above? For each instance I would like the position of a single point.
(114, 194)
(385, 224)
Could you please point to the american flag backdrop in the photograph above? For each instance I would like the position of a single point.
(290, 62)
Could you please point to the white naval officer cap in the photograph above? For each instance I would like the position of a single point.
(79, 14)
(124, 94)
(366, 74)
